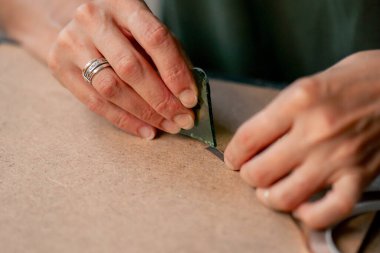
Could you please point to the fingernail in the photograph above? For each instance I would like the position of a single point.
(188, 98)
(170, 127)
(263, 195)
(266, 195)
(229, 164)
(146, 132)
(185, 121)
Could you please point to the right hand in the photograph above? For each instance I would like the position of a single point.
(150, 85)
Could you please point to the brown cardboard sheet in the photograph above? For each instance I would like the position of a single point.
(71, 182)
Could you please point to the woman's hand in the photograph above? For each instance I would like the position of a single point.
(323, 131)
(149, 86)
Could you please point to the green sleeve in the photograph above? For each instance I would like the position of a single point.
(277, 40)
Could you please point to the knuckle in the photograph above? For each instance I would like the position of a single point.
(346, 152)
(129, 67)
(122, 122)
(149, 115)
(306, 91)
(92, 16)
(107, 86)
(157, 35)
(174, 73)
(65, 40)
(355, 57)
(86, 12)
(303, 181)
(317, 125)
(166, 104)
(94, 103)
(70, 40)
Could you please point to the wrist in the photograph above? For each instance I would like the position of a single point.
(36, 25)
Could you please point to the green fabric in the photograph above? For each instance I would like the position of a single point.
(278, 40)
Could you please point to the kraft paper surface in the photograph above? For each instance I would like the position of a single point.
(71, 182)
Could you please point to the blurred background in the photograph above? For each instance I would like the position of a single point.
(276, 40)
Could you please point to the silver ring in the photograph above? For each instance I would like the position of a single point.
(93, 67)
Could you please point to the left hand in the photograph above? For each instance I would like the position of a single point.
(322, 131)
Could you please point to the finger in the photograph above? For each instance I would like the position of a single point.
(268, 125)
(108, 84)
(334, 206)
(133, 69)
(273, 163)
(162, 47)
(288, 193)
(118, 117)
(114, 90)
(110, 87)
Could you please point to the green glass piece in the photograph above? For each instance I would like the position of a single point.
(204, 126)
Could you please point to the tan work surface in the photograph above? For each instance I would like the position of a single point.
(71, 182)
